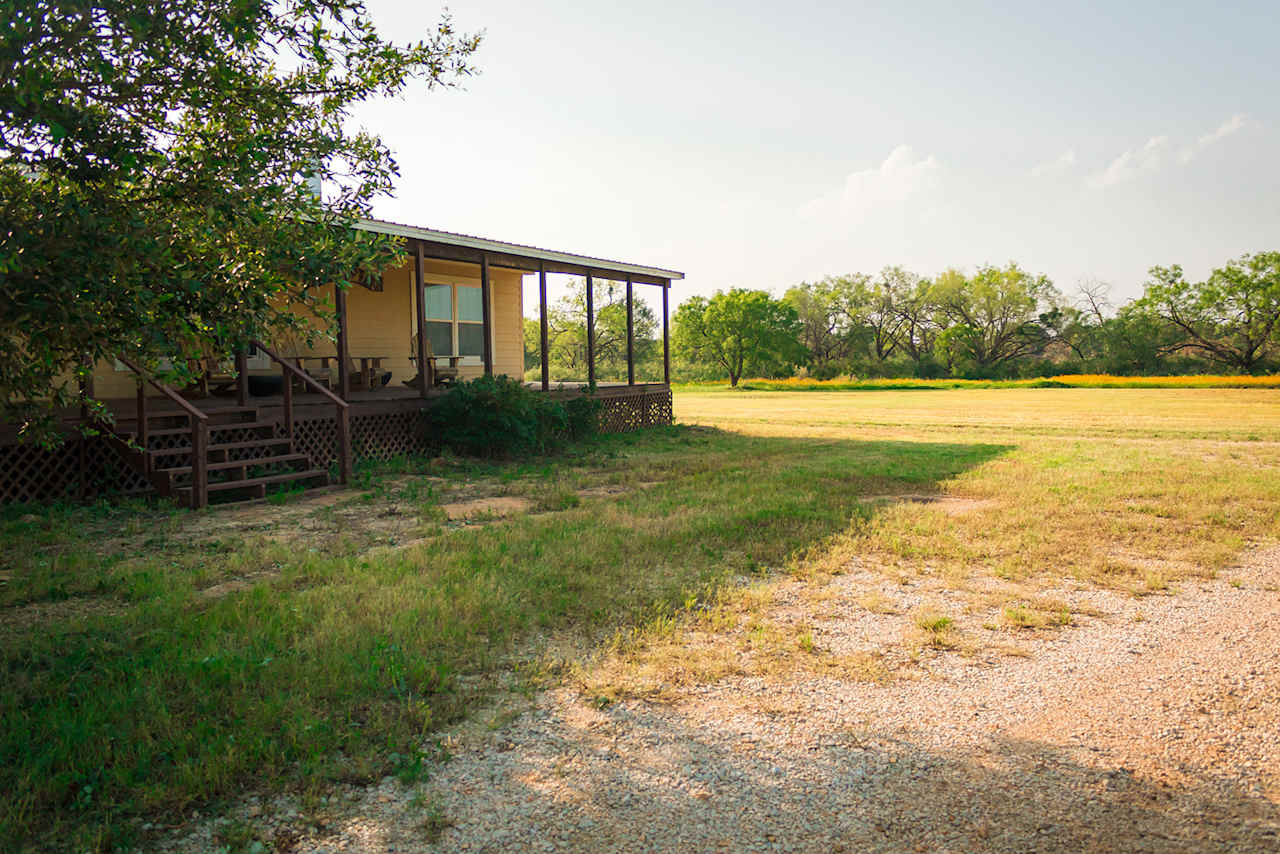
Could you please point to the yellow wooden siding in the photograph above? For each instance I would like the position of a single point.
(382, 324)
(108, 382)
(508, 323)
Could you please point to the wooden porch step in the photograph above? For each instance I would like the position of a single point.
(239, 464)
(216, 412)
(257, 485)
(186, 431)
(309, 474)
(251, 443)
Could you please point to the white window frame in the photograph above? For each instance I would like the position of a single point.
(453, 284)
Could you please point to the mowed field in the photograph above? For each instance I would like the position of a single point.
(161, 662)
(1125, 487)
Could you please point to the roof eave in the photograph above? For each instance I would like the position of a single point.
(533, 253)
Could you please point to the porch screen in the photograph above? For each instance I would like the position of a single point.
(455, 320)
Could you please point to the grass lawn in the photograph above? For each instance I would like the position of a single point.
(157, 660)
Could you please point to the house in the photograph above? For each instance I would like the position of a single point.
(282, 413)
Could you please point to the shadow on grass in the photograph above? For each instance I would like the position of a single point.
(337, 664)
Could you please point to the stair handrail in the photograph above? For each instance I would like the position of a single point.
(199, 423)
(166, 390)
(307, 380)
(343, 407)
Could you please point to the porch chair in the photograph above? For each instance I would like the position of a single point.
(325, 376)
(437, 374)
(295, 347)
(210, 376)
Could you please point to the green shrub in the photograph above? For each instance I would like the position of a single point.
(502, 417)
(582, 416)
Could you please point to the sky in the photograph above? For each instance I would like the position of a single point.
(761, 145)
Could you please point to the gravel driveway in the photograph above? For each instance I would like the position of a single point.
(1153, 725)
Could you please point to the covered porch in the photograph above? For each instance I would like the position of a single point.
(456, 307)
(467, 307)
(283, 413)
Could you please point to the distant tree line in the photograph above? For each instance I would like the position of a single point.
(996, 322)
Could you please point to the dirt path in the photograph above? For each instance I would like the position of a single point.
(1152, 726)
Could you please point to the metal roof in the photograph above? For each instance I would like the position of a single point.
(400, 229)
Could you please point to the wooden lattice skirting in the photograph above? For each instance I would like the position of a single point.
(623, 413)
(86, 468)
(82, 469)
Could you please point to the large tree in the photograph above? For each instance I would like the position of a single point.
(155, 163)
(919, 321)
(738, 329)
(850, 319)
(828, 312)
(998, 315)
(1233, 317)
(1128, 340)
(891, 311)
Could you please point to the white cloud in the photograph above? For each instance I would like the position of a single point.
(1134, 162)
(1158, 152)
(1224, 130)
(1061, 163)
(901, 176)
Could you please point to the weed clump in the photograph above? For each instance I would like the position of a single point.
(937, 629)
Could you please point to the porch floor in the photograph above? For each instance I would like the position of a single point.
(125, 409)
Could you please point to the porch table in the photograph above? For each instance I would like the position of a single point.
(370, 369)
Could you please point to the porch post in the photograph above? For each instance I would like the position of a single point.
(487, 314)
(86, 385)
(631, 334)
(420, 316)
(542, 317)
(140, 411)
(344, 444)
(666, 336)
(591, 333)
(242, 377)
(200, 462)
(86, 392)
(344, 357)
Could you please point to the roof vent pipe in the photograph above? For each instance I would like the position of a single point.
(313, 181)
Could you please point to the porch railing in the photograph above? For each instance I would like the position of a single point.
(291, 372)
(198, 421)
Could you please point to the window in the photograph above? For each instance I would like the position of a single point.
(455, 320)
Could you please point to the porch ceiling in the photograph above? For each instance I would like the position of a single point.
(465, 247)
